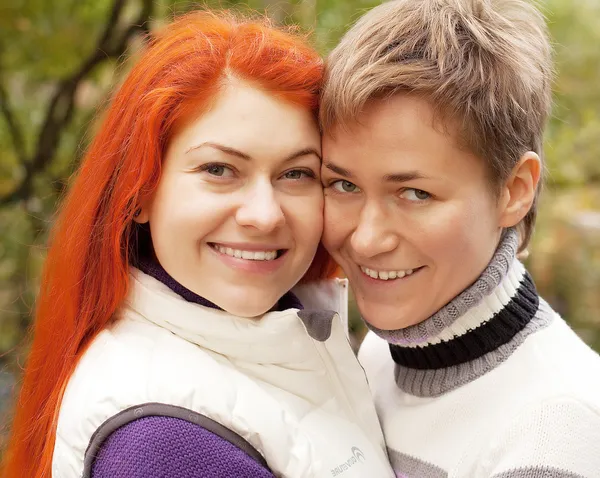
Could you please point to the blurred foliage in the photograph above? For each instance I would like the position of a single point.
(572, 147)
(60, 59)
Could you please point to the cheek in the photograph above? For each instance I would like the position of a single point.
(337, 225)
(184, 210)
(305, 217)
(460, 235)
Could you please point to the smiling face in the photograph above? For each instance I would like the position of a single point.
(409, 216)
(237, 215)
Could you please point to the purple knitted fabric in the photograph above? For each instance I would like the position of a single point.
(165, 447)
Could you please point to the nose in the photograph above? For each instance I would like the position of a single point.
(374, 233)
(260, 209)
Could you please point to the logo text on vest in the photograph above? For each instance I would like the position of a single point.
(357, 457)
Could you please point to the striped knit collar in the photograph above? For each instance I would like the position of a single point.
(473, 333)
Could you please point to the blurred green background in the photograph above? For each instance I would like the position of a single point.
(59, 60)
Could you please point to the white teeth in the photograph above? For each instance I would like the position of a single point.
(249, 255)
(386, 275)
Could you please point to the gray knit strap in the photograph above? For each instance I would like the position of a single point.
(537, 472)
(407, 466)
(317, 322)
(466, 300)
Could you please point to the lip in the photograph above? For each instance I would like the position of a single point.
(245, 246)
(379, 282)
(247, 265)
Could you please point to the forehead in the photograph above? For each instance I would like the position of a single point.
(249, 118)
(402, 131)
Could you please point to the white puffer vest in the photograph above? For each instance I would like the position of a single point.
(288, 383)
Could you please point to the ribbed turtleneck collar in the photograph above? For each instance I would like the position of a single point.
(473, 333)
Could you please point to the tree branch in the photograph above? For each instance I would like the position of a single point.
(62, 104)
(16, 134)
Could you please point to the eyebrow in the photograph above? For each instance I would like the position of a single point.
(394, 178)
(338, 170)
(240, 154)
(404, 177)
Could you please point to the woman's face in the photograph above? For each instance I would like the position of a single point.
(409, 215)
(238, 212)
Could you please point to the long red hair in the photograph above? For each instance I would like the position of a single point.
(85, 276)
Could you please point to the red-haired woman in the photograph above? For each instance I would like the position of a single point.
(167, 340)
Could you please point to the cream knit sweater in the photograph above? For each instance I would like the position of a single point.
(495, 384)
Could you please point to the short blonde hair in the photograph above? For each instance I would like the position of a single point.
(485, 63)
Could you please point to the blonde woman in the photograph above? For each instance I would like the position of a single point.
(434, 114)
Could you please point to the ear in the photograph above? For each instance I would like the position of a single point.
(141, 215)
(519, 190)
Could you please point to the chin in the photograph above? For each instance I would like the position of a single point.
(382, 324)
(246, 307)
(384, 318)
(252, 313)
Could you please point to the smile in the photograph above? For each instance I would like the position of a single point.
(266, 255)
(388, 275)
